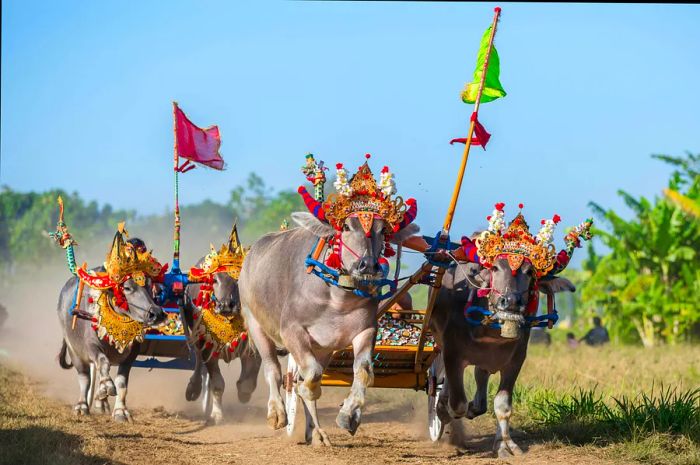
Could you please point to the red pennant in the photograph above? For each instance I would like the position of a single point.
(480, 137)
(197, 144)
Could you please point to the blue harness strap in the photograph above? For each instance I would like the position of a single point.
(331, 276)
(541, 321)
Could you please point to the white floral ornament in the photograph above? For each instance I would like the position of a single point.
(496, 220)
(546, 234)
(386, 182)
(341, 181)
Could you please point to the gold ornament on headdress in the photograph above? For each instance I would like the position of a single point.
(516, 243)
(124, 261)
(365, 199)
(228, 259)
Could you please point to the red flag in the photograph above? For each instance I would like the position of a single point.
(480, 137)
(197, 144)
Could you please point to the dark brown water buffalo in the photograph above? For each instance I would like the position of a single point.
(514, 267)
(224, 290)
(288, 308)
(116, 304)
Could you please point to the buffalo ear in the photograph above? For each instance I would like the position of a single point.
(558, 284)
(476, 275)
(403, 234)
(312, 224)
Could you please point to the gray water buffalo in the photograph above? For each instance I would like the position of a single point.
(120, 293)
(227, 302)
(484, 311)
(285, 307)
(84, 346)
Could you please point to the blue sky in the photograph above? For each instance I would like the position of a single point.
(593, 90)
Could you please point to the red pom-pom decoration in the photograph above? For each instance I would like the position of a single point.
(208, 345)
(215, 354)
(542, 222)
(338, 165)
(367, 156)
(94, 327)
(234, 344)
(520, 206)
(333, 261)
(231, 348)
(488, 218)
(244, 336)
(385, 169)
(90, 300)
(556, 219)
(499, 206)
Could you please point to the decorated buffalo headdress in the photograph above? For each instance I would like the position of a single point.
(516, 244)
(362, 197)
(123, 261)
(228, 259)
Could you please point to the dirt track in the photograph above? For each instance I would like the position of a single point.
(160, 436)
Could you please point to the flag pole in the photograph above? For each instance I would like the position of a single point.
(176, 162)
(467, 146)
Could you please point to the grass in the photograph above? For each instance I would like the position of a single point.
(634, 404)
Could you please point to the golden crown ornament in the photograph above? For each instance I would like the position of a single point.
(361, 196)
(228, 259)
(516, 244)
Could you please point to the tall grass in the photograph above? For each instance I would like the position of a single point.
(668, 410)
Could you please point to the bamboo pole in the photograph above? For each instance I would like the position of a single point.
(435, 288)
(460, 176)
(176, 162)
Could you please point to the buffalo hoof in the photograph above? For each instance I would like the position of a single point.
(276, 416)
(194, 389)
(473, 411)
(319, 438)
(216, 419)
(81, 409)
(121, 415)
(101, 405)
(244, 397)
(349, 422)
(443, 412)
(458, 412)
(107, 388)
(506, 449)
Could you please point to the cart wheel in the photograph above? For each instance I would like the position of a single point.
(207, 400)
(290, 396)
(435, 378)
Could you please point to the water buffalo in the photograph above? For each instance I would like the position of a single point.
(285, 307)
(227, 302)
(489, 350)
(129, 298)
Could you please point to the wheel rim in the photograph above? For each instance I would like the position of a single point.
(435, 426)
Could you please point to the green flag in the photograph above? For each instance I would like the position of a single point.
(492, 85)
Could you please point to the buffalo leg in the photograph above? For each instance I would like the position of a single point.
(120, 413)
(314, 434)
(276, 416)
(454, 372)
(478, 406)
(106, 385)
(503, 407)
(194, 385)
(248, 380)
(311, 368)
(350, 413)
(217, 383)
(83, 369)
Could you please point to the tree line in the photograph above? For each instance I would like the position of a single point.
(646, 285)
